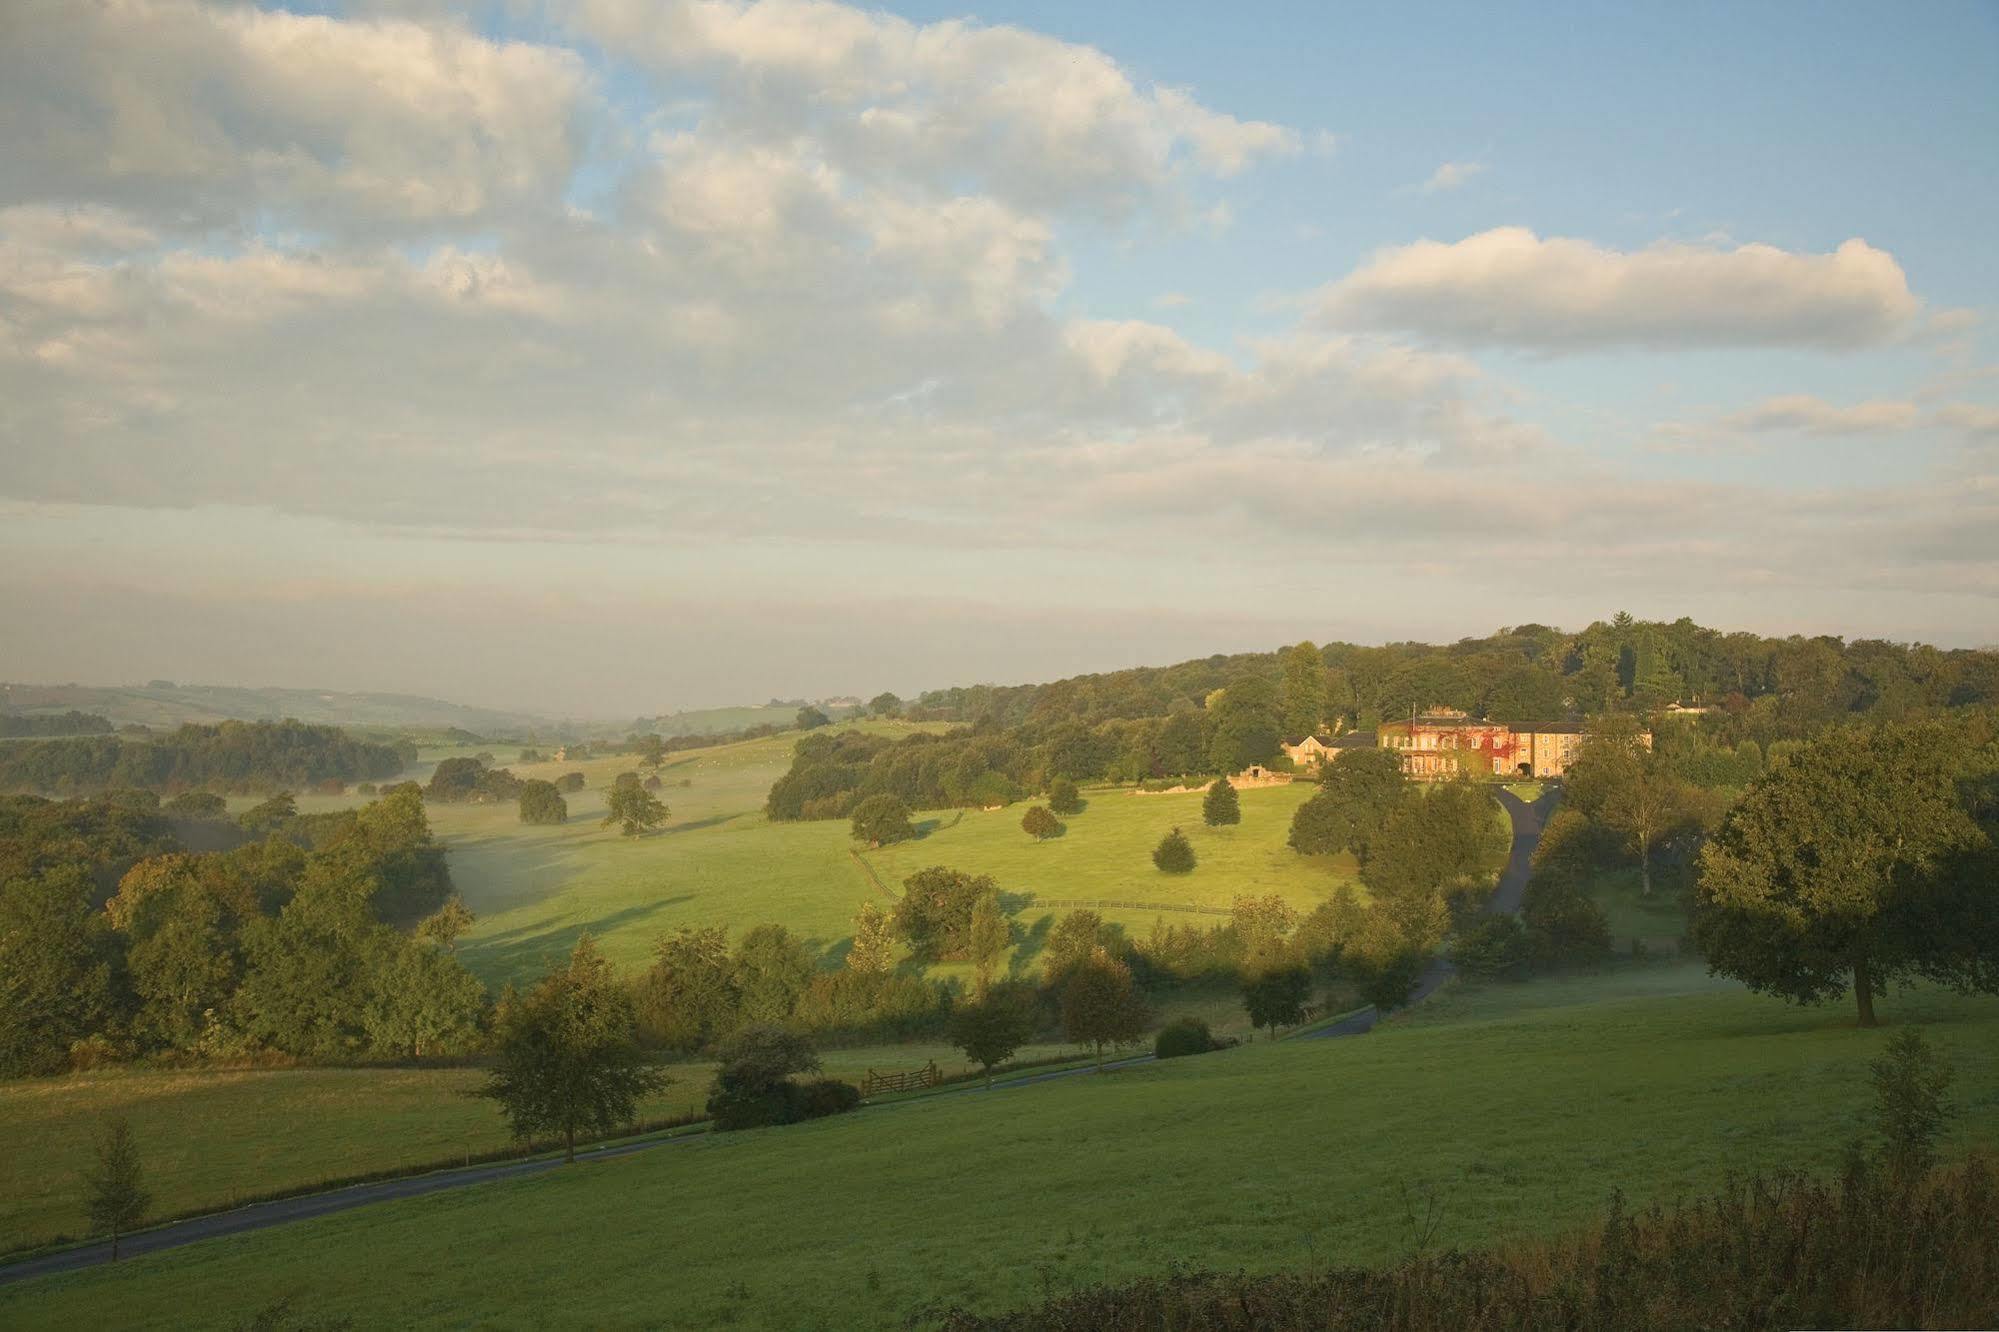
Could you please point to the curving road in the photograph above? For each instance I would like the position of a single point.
(1527, 820)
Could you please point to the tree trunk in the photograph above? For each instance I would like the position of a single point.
(1644, 867)
(1863, 992)
(989, 1077)
(114, 1244)
(1100, 1056)
(569, 1154)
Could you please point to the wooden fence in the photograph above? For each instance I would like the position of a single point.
(1098, 904)
(922, 1079)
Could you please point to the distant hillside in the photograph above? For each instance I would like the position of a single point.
(163, 704)
(716, 721)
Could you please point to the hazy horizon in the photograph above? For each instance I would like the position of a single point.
(607, 357)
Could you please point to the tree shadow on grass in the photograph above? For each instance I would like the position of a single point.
(1030, 943)
(533, 949)
(924, 827)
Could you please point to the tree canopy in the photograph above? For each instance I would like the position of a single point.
(1856, 863)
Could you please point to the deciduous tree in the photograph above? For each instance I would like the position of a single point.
(881, 820)
(566, 1058)
(997, 1024)
(1099, 1004)
(632, 807)
(1039, 824)
(1844, 867)
(542, 804)
(1063, 797)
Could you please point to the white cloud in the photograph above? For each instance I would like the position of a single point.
(1814, 416)
(1451, 175)
(1974, 419)
(1511, 287)
(186, 112)
(1037, 122)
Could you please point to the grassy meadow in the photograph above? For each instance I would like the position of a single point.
(1517, 1109)
(719, 861)
(213, 1137)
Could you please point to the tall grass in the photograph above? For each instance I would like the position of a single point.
(1784, 1251)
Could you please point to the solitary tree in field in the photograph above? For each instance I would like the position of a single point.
(1099, 1005)
(1063, 797)
(885, 705)
(1222, 806)
(999, 1023)
(633, 807)
(116, 1199)
(1039, 824)
(567, 1057)
(1174, 854)
(651, 751)
(881, 820)
(1855, 862)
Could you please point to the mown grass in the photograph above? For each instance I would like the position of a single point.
(1518, 1116)
(212, 1138)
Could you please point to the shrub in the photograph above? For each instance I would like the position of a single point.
(1174, 854)
(1564, 927)
(826, 1096)
(1494, 949)
(569, 781)
(1183, 1036)
(1063, 797)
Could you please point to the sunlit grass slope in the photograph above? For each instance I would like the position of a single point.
(1518, 1117)
(213, 1137)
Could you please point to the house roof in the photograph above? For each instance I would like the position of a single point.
(1357, 740)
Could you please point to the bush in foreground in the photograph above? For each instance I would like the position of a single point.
(1865, 1251)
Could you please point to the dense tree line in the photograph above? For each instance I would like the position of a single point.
(290, 944)
(1214, 716)
(229, 756)
(15, 725)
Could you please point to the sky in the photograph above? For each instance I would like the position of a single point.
(610, 357)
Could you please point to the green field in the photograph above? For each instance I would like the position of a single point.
(215, 1137)
(718, 861)
(1517, 1108)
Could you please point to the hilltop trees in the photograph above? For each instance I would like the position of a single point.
(541, 803)
(116, 1199)
(885, 705)
(1303, 701)
(1174, 854)
(1855, 863)
(1221, 806)
(632, 807)
(566, 1058)
(811, 719)
(881, 820)
(1244, 725)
